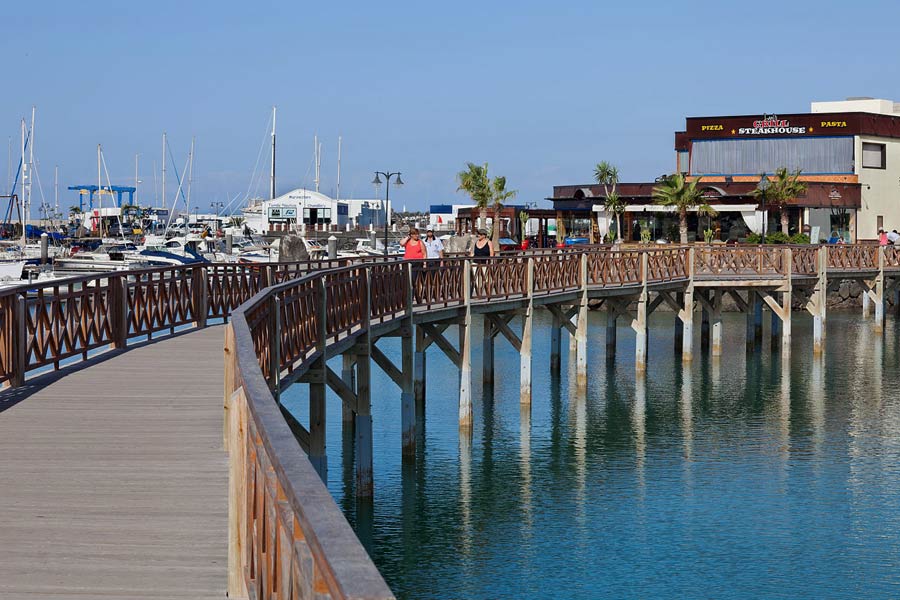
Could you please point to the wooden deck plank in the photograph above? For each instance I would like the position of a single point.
(113, 480)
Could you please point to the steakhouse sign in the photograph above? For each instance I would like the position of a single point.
(771, 124)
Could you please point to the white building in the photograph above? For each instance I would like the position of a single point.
(299, 210)
(443, 216)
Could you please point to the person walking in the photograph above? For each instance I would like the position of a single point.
(482, 247)
(882, 237)
(893, 236)
(413, 247)
(434, 248)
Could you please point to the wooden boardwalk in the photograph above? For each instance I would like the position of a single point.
(113, 479)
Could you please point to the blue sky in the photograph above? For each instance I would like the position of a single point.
(540, 90)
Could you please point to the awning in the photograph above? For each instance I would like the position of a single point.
(660, 208)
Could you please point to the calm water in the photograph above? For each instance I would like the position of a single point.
(741, 478)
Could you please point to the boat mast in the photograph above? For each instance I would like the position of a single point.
(316, 159)
(24, 183)
(190, 175)
(55, 189)
(164, 170)
(136, 180)
(272, 174)
(339, 170)
(99, 196)
(30, 166)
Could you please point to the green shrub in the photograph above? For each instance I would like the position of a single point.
(777, 237)
(754, 238)
(799, 238)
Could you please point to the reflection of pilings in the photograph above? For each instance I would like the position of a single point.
(817, 402)
(525, 462)
(639, 424)
(578, 410)
(687, 413)
(465, 489)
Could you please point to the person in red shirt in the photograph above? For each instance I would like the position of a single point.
(413, 248)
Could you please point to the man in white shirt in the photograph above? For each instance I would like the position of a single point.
(434, 248)
(893, 236)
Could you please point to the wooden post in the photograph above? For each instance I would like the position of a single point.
(704, 323)
(717, 322)
(407, 400)
(687, 313)
(275, 346)
(118, 299)
(525, 350)
(752, 299)
(419, 377)
(866, 303)
(555, 344)
(640, 323)
(317, 455)
(775, 331)
(349, 378)
(200, 295)
(487, 354)
(612, 315)
(19, 342)
(787, 299)
(879, 293)
(757, 320)
(582, 327)
(363, 423)
(678, 334)
(465, 351)
(820, 301)
(236, 431)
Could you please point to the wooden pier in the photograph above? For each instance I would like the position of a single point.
(286, 538)
(113, 480)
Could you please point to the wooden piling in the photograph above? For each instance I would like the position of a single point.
(525, 347)
(640, 322)
(465, 351)
(487, 354)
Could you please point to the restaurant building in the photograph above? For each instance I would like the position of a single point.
(848, 153)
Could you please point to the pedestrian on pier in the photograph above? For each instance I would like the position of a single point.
(482, 247)
(413, 247)
(893, 236)
(434, 248)
(882, 237)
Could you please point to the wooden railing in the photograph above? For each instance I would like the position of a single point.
(856, 257)
(738, 261)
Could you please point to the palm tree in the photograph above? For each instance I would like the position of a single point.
(683, 195)
(474, 181)
(499, 195)
(784, 188)
(608, 176)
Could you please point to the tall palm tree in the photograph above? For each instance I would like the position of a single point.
(499, 195)
(607, 175)
(782, 189)
(675, 191)
(474, 181)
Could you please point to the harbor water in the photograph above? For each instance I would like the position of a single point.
(747, 476)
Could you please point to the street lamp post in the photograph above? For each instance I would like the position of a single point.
(387, 195)
(762, 186)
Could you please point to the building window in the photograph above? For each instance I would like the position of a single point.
(874, 156)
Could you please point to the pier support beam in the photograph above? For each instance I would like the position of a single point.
(678, 335)
(407, 399)
(525, 346)
(818, 301)
(581, 329)
(878, 293)
(711, 301)
(750, 311)
(866, 304)
(703, 298)
(640, 322)
(348, 376)
(419, 370)
(363, 419)
(487, 354)
(555, 344)
(465, 352)
(757, 320)
(686, 313)
(775, 330)
(612, 314)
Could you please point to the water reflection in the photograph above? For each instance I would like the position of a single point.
(695, 481)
